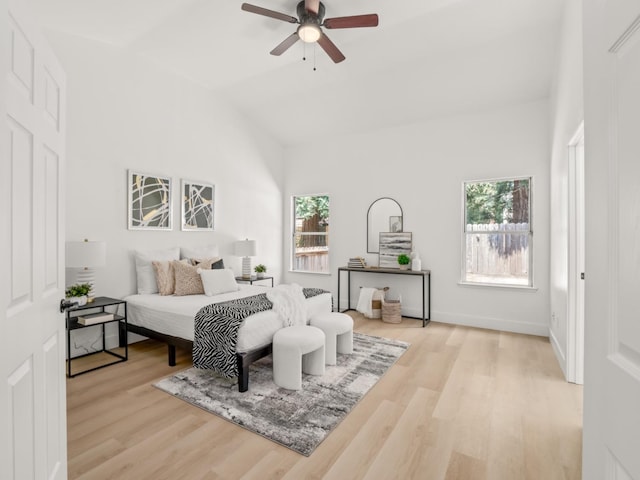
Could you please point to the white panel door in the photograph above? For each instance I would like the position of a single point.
(32, 332)
(611, 447)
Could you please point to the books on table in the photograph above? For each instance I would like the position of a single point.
(93, 318)
(357, 262)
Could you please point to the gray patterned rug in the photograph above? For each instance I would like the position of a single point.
(300, 419)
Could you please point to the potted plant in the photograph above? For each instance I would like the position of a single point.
(403, 261)
(78, 293)
(260, 270)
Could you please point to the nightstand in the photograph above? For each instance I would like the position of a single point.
(253, 279)
(107, 308)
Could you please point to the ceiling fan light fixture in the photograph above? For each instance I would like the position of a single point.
(309, 32)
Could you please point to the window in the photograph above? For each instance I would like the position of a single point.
(498, 239)
(310, 239)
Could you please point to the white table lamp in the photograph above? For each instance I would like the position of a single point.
(245, 249)
(86, 256)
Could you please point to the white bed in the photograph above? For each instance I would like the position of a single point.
(170, 319)
(173, 315)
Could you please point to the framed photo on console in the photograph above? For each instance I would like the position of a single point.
(393, 244)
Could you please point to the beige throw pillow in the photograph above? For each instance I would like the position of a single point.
(187, 278)
(165, 276)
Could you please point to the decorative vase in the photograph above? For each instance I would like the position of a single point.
(416, 264)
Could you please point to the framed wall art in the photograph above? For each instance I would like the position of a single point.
(149, 201)
(197, 206)
(393, 244)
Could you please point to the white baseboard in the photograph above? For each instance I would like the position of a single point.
(559, 352)
(514, 326)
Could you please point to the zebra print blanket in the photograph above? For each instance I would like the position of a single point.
(216, 331)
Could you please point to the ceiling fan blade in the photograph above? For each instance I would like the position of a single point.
(284, 46)
(329, 47)
(247, 7)
(370, 20)
(312, 5)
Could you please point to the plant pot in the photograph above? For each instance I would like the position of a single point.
(259, 274)
(404, 267)
(81, 301)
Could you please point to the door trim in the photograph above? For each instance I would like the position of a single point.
(576, 259)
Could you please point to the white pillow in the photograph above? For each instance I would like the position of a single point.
(145, 273)
(208, 251)
(218, 281)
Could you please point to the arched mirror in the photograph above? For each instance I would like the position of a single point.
(384, 215)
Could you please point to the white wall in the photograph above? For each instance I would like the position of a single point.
(126, 113)
(423, 166)
(567, 113)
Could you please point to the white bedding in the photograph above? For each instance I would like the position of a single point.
(173, 315)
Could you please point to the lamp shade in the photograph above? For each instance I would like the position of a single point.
(245, 248)
(86, 254)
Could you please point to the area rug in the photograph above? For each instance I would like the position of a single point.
(300, 419)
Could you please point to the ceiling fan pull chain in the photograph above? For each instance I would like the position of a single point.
(314, 57)
(304, 51)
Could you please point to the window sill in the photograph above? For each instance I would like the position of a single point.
(525, 288)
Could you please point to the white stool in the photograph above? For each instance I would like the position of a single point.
(338, 330)
(295, 350)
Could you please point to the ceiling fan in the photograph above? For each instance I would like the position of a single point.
(311, 18)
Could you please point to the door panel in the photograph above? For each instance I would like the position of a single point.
(21, 161)
(627, 66)
(52, 220)
(612, 171)
(32, 329)
(22, 410)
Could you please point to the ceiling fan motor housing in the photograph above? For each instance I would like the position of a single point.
(306, 16)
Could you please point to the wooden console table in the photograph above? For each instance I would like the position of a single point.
(426, 286)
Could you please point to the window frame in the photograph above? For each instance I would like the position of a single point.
(294, 234)
(530, 285)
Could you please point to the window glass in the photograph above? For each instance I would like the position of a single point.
(497, 232)
(310, 239)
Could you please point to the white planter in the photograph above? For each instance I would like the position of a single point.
(81, 301)
(259, 274)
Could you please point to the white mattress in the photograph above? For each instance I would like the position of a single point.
(173, 315)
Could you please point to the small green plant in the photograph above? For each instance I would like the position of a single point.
(404, 259)
(78, 290)
(260, 268)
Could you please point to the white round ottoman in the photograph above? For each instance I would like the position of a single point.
(296, 350)
(338, 330)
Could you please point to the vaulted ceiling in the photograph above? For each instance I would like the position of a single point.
(427, 58)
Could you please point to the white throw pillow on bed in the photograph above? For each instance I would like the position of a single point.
(208, 251)
(218, 281)
(145, 273)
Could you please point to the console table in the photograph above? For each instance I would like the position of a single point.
(426, 286)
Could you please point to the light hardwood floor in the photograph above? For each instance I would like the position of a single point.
(462, 403)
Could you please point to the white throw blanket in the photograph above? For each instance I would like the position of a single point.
(289, 303)
(364, 301)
